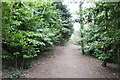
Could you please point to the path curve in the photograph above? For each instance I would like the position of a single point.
(69, 63)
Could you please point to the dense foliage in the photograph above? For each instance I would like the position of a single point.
(102, 37)
(30, 28)
(65, 16)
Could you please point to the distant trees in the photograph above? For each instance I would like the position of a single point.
(67, 22)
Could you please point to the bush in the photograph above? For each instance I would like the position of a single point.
(30, 28)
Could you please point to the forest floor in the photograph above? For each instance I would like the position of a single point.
(68, 62)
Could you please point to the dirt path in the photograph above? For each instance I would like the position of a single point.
(69, 63)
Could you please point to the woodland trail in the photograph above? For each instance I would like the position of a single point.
(69, 63)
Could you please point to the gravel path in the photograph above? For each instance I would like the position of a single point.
(69, 63)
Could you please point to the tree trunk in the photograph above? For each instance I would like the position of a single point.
(82, 45)
(119, 60)
(104, 63)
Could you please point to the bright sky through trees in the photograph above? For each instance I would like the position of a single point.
(73, 6)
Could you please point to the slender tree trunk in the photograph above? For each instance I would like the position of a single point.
(81, 24)
(119, 60)
(82, 45)
(104, 63)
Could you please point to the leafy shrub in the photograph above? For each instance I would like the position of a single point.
(102, 38)
(30, 28)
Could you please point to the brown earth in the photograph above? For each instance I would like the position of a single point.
(68, 62)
